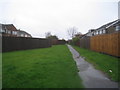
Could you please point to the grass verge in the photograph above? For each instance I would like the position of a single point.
(102, 62)
(0, 70)
(40, 68)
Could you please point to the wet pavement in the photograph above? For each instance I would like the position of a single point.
(91, 77)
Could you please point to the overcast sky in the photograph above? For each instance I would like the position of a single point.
(56, 16)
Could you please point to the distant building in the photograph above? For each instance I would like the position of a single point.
(79, 35)
(23, 34)
(108, 28)
(8, 30)
(11, 31)
(0, 29)
(119, 10)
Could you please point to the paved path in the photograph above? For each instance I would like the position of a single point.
(91, 77)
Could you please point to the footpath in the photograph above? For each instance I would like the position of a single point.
(91, 77)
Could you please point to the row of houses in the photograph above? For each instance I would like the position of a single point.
(11, 31)
(105, 39)
(108, 28)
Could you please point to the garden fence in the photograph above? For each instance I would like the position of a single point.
(22, 43)
(106, 43)
(85, 42)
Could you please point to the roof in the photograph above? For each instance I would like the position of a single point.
(9, 27)
(24, 32)
(110, 24)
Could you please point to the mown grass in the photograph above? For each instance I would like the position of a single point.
(102, 62)
(0, 70)
(40, 68)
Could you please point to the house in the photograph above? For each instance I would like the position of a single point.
(8, 30)
(108, 28)
(11, 31)
(0, 29)
(79, 35)
(23, 34)
(112, 27)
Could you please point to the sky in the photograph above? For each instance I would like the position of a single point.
(40, 16)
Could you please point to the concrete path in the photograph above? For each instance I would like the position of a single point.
(91, 77)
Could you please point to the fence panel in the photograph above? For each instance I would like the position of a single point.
(20, 43)
(106, 43)
(85, 42)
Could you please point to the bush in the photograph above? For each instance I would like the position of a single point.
(75, 41)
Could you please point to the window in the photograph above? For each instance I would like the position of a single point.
(96, 32)
(6, 31)
(9, 32)
(104, 31)
(117, 28)
(22, 35)
(0, 30)
(100, 31)
(91, 34)
(15, 33)
(26, 35)
(3, 30)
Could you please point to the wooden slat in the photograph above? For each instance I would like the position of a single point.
(106, 43)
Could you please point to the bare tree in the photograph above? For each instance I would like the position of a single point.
(48, 34)
(72, 32)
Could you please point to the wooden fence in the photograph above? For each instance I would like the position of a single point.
(85, 42)
(22, 43)
(57, 42)
(106, 43)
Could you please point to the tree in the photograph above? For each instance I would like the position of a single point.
(48, 34)
(53, 37)
(72, 32)
(75, 40)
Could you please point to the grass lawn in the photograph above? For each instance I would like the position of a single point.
(40, 68)
(102, 62)
(0, 70)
